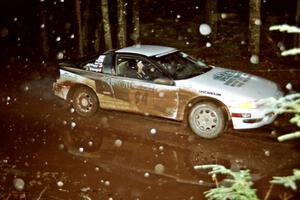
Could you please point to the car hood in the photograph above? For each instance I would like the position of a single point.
(230, 83)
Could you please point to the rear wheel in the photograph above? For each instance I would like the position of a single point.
(85, 101)
(206, 120)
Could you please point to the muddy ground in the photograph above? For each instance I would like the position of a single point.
(133, 162)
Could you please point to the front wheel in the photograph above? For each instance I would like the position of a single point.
(206, 120)
(85, 101)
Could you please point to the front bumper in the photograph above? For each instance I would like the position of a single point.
(259, 117)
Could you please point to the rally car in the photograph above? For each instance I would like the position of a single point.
(165, 82)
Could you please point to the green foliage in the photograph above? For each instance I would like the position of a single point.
(238, 184)
(285, 28)
(289, 136)
(288, 29)
(288, 181)
(287, 104)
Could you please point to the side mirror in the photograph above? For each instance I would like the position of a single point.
(164, 81)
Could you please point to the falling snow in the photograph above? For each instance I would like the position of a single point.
(204, 29)
(223, 15)
(153, 131)
(118, 143)
(73, 125)
(60, 55)
(161, 94)
(90, 143)
(19, 184)
(257, 22)
(254, 59)
(281, 46)
(289, 86)
(107, 183)
(60, 183)
(146, 175)
(159, 168)
(161, 148)
(26, 88)
(267, 152)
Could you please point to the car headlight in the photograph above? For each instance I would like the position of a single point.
(248, 105)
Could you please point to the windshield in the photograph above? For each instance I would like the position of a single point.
(182, 66)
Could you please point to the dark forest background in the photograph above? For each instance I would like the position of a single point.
(24, 24)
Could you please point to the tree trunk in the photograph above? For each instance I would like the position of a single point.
(79, 27)
(297, 23)
(254, 27)
(43, 30)
(85, 27)
(212, 16)
(98, 32)
(122, 33)
(136, 22)
(106, 24)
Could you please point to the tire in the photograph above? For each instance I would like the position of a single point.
(85, 101)
(206, 120)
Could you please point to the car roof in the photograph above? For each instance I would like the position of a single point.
(148, 50)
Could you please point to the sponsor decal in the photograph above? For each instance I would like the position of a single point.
(97, 66)
(141, 98)
(232, 78)
(210, 93)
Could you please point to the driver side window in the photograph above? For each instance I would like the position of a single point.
(126, 67)
(137, 68)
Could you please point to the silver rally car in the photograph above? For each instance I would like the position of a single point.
(165, 82)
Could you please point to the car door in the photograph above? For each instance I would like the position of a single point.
(165, 93)
(132, 93)
(166, 101)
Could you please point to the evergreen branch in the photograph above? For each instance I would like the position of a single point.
(296, 120)
(238, 184)
(291, 52)
(288, 181)
(289, 136)
(285, 28)
(287, 104)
